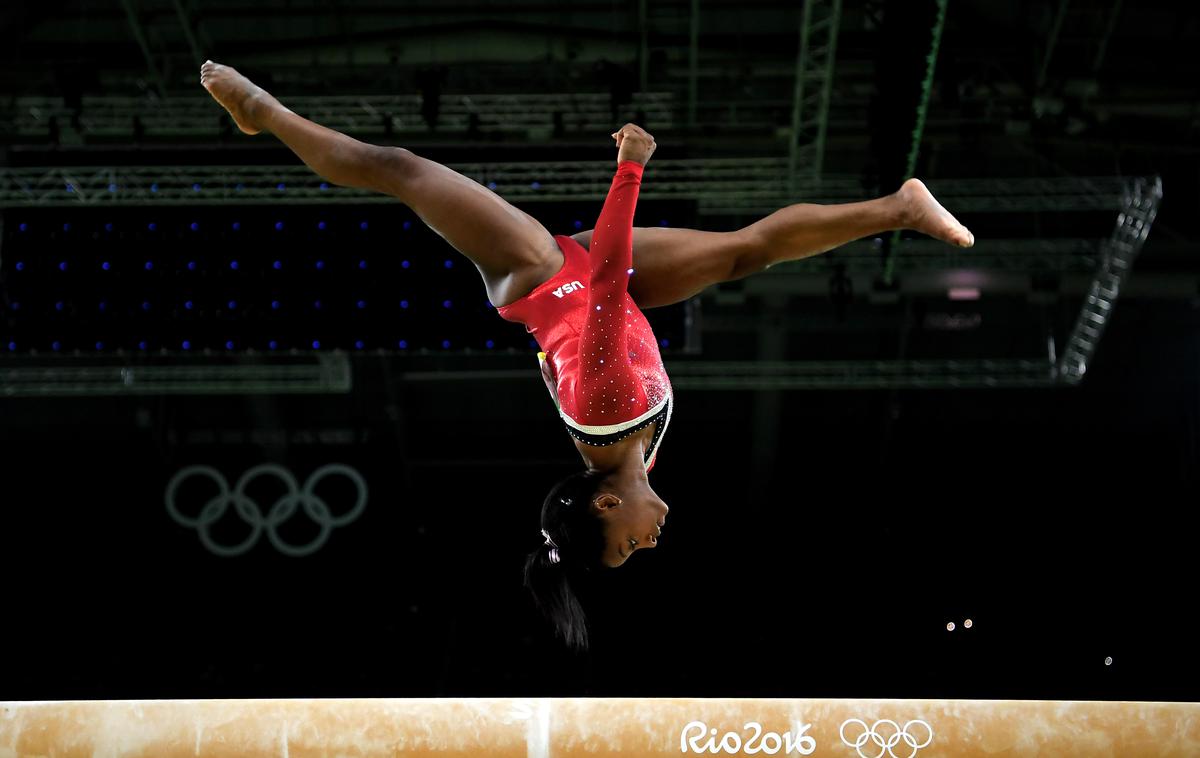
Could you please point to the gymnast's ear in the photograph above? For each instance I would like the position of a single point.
(603, 502)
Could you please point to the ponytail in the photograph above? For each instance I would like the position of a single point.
(574, 545)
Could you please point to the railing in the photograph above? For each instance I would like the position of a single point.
(200, 116)
(720, 185)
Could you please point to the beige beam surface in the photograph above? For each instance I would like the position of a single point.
(541, 728)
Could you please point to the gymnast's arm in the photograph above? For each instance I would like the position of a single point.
(610, 252)
(608, 383)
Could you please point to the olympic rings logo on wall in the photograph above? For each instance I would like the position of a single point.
(250, 512)
(886, 740)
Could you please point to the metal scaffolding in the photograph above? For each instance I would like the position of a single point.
(819, 24)
(1116, 261)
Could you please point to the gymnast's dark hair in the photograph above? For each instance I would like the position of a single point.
(578, 537)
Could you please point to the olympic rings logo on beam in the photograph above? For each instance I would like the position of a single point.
(887, 740)
(250, 512)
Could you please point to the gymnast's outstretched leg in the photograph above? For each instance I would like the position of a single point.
(512, 250)
(676, 264)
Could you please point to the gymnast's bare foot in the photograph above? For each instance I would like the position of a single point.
(244, 99)
(921, 212)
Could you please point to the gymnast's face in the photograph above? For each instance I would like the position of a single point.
(631, 522)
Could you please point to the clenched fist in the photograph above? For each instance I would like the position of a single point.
(633, 144)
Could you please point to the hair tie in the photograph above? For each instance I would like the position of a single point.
(554, 557)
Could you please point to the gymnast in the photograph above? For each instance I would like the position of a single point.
(581, 297)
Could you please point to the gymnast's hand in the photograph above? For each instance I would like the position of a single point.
(633, 144)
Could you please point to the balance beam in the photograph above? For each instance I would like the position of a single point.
(561, 728)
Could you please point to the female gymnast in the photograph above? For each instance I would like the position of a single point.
(582, 298)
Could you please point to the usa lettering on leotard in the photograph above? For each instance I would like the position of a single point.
(566, 288)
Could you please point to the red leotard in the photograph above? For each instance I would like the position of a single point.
(605, 371)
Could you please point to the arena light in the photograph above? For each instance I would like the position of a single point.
(963, 293)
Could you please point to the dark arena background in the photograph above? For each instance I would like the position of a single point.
(264, 438)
